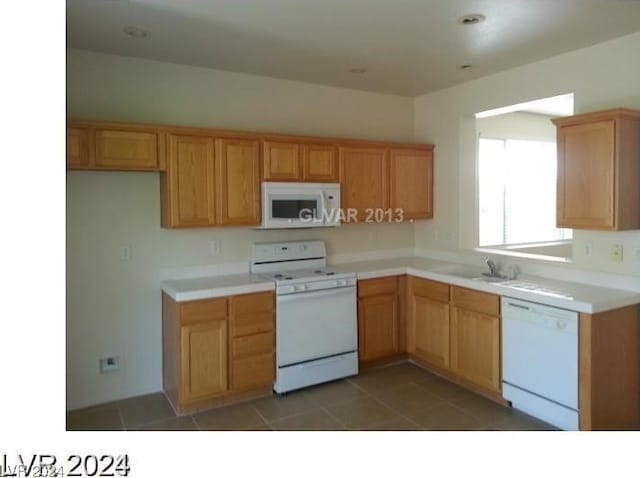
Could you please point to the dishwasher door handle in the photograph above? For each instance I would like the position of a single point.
(511, 304)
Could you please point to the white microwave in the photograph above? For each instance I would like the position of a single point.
(300, 205)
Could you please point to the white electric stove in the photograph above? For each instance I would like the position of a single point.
(316, 315)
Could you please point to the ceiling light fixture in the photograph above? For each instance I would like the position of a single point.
(136, 32)
(471, 19)
(358, 70)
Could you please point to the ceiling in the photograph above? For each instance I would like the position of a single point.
(408, 47)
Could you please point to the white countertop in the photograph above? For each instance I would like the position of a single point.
(567, 295)
(182, 290)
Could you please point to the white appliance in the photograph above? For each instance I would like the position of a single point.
(540, 361)
(297, 205)
(316, 315)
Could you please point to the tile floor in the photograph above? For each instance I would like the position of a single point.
(396, 397)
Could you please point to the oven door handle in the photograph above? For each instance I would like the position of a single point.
(314, 294)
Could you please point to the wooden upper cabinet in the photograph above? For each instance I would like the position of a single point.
(319, 163)
(364, 180)
(281, 161)
(188, 185)
(598, 170)
(126, 150)
(411, 182)
(238, 182)
(78, 152)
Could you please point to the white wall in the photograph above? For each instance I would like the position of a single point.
(113, 307)
(517, 125)
(601, 76)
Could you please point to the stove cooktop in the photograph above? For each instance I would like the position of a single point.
(304, 274)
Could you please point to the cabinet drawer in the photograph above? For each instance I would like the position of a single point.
(202, 310)
(248, 303)
(430, 289)
(253, 371)
(249, 324)
(386, 285)
(473, 300)
(258, 344)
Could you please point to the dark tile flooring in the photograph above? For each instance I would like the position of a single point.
(396, 397)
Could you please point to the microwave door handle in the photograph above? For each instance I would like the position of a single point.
(323, 206)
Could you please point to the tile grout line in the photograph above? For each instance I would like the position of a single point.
(262, 417)
(195, 423)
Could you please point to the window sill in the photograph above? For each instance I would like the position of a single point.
(512, 251)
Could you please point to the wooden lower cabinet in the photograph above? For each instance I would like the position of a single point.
(430, 331)
(475, 347)
(216, 351)
(204, 359)
(380, 321)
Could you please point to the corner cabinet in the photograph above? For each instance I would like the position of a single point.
(429, 322)
(210, 182)
(411, 182)
(599, 170)
(216, 351)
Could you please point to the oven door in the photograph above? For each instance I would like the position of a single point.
(313, 325)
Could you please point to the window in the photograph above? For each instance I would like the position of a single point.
(517, 192)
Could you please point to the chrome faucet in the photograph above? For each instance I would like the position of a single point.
(493, 269)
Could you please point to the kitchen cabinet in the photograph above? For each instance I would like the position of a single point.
(253, 341)
(380, 320)
(78, 148)
(319, 163)
(429, 322)
(598, 170)
(217, 351)
(114, 147)
(188, 186)
(411, 182)
(281, 161)
(306, 162)
(475, 337)
(238, 182)
(209, 183)
(364, 181)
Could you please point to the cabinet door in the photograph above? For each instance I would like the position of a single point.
(281, 161)
(411, 183)
(319, 163)
(238, 181)
(430, 331)
(364, 180)
(204, 359)
(586, 155)
(475, 347)
(77, 148)
(188, 197)
(126, 150)
(377, 327)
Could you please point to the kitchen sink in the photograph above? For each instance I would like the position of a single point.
(471, 273)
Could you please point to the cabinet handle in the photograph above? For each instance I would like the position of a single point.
(518, 306)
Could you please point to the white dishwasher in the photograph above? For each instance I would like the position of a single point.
(540, 361)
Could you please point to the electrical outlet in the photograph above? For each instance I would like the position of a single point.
(616, 253)
(214, 247)
(109, 364)
(125, 252)
(588, 249)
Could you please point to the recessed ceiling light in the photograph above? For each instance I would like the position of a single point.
(358, 70)
(471, 19)
(465, 67)
(136, 32)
